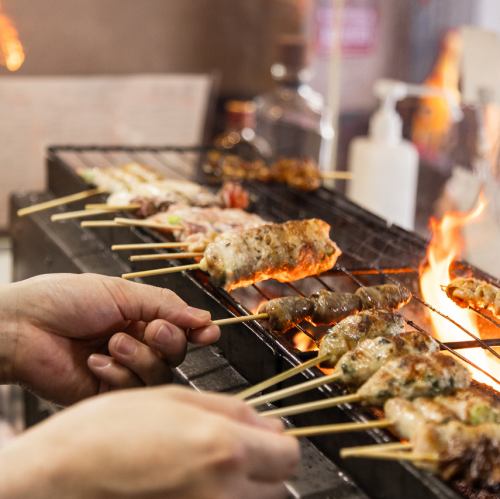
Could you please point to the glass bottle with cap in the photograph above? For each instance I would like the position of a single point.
(239, 137)
(291, 116)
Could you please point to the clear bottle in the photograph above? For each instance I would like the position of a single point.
(291, 116)
(239, 138)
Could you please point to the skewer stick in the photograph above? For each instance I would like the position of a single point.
(317, 405)
(327, 429)
(141, 246)
(281, 377)
(162, 271)
(243, 318)
(369, 449)
(293, 390)
(335, 175)
(393, 455)
(131, 222)
(72, 198)
(100, 223)
(76, 214)
(164, 256)
(112, 207)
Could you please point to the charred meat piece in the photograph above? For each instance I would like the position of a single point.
(349, 332)
(285, 313)
(386, 296)
(413, 376)
(330, 307)
(468, 452)
(327, 307)
(369, 355)
(474, 293)
(285, 252)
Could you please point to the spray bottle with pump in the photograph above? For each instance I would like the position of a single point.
(384, 165)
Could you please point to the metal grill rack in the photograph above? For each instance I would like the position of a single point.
(373, 253)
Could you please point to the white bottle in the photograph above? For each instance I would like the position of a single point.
(384, 165)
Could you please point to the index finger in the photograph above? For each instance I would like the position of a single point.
(141, 302)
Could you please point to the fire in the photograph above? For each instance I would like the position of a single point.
(11, 50)
(446, 246)
(303, 343)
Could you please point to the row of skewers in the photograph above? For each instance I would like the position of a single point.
(367, 347)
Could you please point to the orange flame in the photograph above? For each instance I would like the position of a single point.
(11, 50)
(446, 246)
(303, 343)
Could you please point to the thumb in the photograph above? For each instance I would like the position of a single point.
(141, 302)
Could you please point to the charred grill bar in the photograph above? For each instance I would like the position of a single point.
(373, 254)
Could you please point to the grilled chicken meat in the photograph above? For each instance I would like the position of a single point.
(349, 332)
(474, 293)
(413, 376)
(469, 452)
(467, 406)
(285, 252)
(201, 226)
(369, 355)
(330, 307)
(386, 296)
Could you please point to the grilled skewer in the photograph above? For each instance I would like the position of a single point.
(410, 376)
(339, 339)
(476, 294)
(357, 365)
(285, 252)
(330, 307)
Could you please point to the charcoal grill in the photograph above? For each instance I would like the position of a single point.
(373, 253)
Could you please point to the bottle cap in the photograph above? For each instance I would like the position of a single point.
(293, 51)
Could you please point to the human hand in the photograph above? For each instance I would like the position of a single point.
(155, 442)
(77, 335)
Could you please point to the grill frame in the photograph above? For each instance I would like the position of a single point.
(270, 354)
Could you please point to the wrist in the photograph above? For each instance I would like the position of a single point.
(9, 333)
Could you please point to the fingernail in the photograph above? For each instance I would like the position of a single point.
(163, 336)
(197, 313)
(99, 361)
(126, 345)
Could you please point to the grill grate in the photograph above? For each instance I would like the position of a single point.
(371, 251)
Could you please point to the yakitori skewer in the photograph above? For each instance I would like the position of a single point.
(132, 222)
(410, 376)
(406, 416)
(238, 320)
(451, 449)
(53, 203)
(329, 307)
(166, 256)
(341, 338)
(476, 294)
(356, 366)
(285, 252)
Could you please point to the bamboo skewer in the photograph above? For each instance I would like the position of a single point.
(162, 271)
(326, 429)
(335, 175)
(293, 390)
(369, 449)
(165, 256)
(72, 198)
(317, 405)
(393, 455)
(243, 318)
(131, 222)
(112, 207)
(141, 246)
(281, 377)
(69, 215)
(100, 223)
